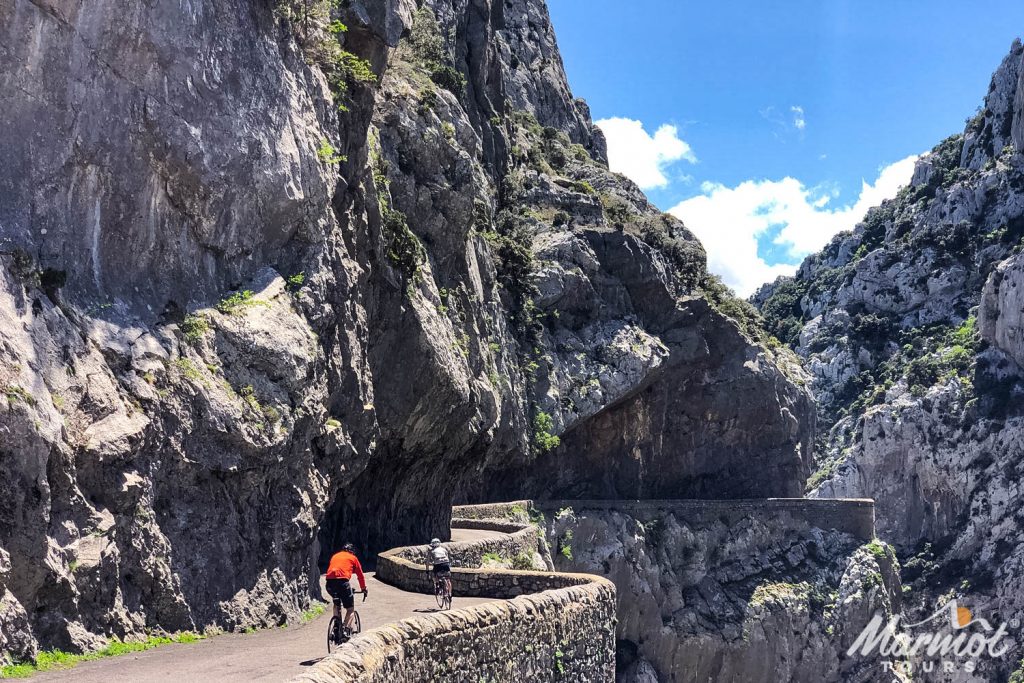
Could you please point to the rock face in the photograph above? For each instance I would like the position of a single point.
(1001, 313)
(764, 598)
(911, 328)
(265, 287)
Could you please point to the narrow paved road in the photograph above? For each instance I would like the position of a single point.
(270, 655)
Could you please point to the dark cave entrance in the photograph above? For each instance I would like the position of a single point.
(394, 502)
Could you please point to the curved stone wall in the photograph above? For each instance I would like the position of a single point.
(565, 634)
(411, 572)
(515, 509)
(549, 626)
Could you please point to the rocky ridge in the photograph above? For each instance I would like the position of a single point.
(910, 328)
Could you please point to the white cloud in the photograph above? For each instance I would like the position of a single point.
(641, 157)
(799, 120)
(729, 221)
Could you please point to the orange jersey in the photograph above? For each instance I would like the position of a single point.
(343, 565)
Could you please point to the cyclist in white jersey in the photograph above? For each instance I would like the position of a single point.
(441, 562)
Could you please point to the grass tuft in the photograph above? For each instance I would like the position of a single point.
(315, 610)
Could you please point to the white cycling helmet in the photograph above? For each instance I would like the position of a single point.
(434, 542)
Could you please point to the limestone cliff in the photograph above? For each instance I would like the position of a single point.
(911, 328)
(271, 275)
(761, 595)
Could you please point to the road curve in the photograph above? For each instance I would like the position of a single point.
(269, 655)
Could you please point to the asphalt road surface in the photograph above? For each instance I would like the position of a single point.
(270, 655)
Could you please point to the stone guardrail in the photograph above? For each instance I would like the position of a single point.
(515, 509)
(855, 516)
(551, 626)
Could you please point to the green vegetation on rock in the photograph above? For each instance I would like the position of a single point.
(543, 439)
(432, 53)
(1018, 675)
(522, 562)
(190, 370)
(314, 611)
(876, 548)
(194, 327)
(565, 545)
(782, 313)
(510, 243)
(16, 394)
(403, 248)
(237, 302)
(328, 155)
(723, 300)
(319, 33)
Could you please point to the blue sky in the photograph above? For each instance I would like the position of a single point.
(772, 116)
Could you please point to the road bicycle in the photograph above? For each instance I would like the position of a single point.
(442, 590)
(338, 634)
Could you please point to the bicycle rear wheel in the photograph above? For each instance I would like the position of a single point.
(439, 593)
(335, 624)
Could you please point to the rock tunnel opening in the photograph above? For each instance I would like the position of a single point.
(393, 502)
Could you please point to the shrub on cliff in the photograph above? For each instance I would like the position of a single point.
(510, 244)
(782, 312)
(318, 34)
(403, 248)
(723, 300)
(433, 55)
(543, 439)
(194, 327)
(665, 234)
(522, 561)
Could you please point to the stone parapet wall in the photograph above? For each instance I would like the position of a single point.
(565, 635)
(395, 568)
(855, 516)
(516, 509)
(543, 626)
(516, 539)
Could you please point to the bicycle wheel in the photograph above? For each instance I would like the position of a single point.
(447, 600)
(439, 593)
(330, 633)
(357, 625)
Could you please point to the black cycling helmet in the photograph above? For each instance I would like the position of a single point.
(350, 547)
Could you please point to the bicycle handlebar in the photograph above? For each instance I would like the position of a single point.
(365, 592)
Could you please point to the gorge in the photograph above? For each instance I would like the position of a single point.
(277, 275)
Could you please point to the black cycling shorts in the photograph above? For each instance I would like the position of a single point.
(441, 569)
(341, 591)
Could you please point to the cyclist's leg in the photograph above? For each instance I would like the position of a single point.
(445, 575)
(332, 590)
(348, 599)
